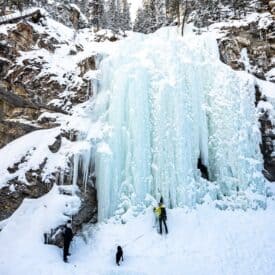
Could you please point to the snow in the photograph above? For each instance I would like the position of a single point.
(57, 117)
(267, 90)
(4, 29)
(25, 229)
(15, 150)
(265, 105)
(263, 20)
(200, 242)
(135, 5)
(34, 149)
(75, 7)
(18, 14)
(270, 75)
(266, 21)
(54, 29)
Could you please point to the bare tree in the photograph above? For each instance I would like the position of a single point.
(4, 4)
(184, 16)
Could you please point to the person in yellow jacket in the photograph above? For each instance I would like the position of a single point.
(160, 213)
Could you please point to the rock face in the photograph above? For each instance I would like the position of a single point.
(252, 48)
(26, 91)
(86, 214)
(12, 197)
(272, 6)
(268, 137)
(68, 14)
(28, 94)
(259, 43)
(267, 147)
(56, 145)
(33, 15)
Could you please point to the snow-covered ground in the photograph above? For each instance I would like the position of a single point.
(203, 241)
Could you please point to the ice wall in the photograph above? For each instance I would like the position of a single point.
(165, 101)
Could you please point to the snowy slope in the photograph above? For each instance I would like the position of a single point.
(200, 242)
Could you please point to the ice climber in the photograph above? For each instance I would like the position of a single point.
(160, 212)
(68, 236)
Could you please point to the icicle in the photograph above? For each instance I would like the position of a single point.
(88, 92)
(245, 60)
(61, 177)
(86, 160)
(75, 171)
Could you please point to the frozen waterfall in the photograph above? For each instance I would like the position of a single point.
(164, 102)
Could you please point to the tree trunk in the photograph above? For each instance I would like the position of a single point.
(178, 12)
(3, 9)
(184, 18)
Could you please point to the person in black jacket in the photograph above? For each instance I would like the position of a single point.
(68, 236)
(119, 255)
(162, 217)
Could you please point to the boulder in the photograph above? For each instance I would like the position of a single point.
(54, 148)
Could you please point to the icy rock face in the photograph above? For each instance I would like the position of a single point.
(169, 101)
(251, 47)
(257, 38)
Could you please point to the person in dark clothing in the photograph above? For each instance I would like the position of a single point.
(68, 236)
(119, 255)
(162, 217)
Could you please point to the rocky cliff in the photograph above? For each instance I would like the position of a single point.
(44, 73)
(249, 44)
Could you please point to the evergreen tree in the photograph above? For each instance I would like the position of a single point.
(240, 7)
(125, 16)
(160, 13)
(118, 15)
(150, 21)
(112, 16)
(97, 13)
(151, 16)
(139, 21)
